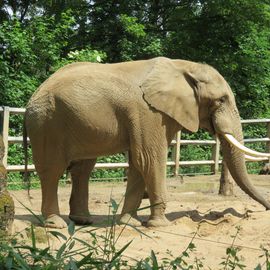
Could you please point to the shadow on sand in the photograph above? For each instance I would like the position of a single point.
(105, 220)
(197, 216)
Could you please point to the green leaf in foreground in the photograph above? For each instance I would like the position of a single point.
(58, 235)
(71, 228)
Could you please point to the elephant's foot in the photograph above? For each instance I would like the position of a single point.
(81, 219)
(130, 220)
(55, 221)
(158, 222)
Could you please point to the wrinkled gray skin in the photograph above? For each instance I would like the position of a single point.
(88, 110)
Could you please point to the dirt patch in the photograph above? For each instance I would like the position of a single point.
(193, 206)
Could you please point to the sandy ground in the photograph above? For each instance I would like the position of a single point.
(193, 202)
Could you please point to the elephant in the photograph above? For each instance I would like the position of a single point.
(86, 110)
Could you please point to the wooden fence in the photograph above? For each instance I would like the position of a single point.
(5, 113)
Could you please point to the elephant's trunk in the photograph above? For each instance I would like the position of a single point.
(235, 160)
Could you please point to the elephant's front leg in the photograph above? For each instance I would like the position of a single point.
(80, 173)
(152, 164)
(157, 191)
(134, 193)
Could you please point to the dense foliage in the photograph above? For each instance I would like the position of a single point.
(37, 37)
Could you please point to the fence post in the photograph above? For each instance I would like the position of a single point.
(176, 154)
(6, 201)
(215, 155)
(127, 160)
(5, 129)
(268, 143)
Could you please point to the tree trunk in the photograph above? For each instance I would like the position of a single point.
(226, 181)
(6, 201)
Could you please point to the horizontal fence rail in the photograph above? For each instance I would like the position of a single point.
(5, 113)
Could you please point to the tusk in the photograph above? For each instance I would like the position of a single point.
(251, 158)
(243, 148)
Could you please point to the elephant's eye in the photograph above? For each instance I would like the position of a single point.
(218, 102)
(222, 99)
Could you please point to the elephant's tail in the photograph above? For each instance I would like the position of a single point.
(25, 146)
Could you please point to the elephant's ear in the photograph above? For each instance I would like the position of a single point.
(173, 92)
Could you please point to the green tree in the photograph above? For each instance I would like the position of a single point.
(27, 53)
(232, 36)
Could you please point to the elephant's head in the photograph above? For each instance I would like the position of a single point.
(196, 95)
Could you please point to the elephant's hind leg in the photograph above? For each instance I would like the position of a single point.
(49, 177)
(134, 194)
(80, 173)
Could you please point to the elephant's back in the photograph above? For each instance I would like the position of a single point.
(82, 91)
(39, 111)
(95, 86)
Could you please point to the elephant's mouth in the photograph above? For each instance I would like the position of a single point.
(249, 153)
(208, 126)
